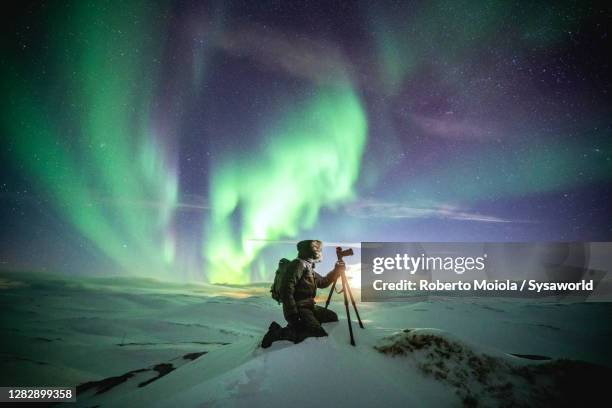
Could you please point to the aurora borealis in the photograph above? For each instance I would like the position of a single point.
(311, 161)
(180, 139)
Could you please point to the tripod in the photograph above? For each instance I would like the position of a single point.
(345, 288)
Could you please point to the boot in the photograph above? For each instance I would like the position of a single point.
(272, 335)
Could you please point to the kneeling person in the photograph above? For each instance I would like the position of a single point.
(297, 291)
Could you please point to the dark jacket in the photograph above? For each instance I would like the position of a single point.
(299, 291)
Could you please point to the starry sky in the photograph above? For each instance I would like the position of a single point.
(192, 140)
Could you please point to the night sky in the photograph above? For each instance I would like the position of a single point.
(180, 140)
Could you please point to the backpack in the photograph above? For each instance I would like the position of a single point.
(281, 271)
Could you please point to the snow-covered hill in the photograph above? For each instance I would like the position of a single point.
(140, 342)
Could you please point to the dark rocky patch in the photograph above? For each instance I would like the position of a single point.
(106, 384)
(482, 380)
(531, 356)
(43, 339)
(220, 343)
(193, 356)
(109, 383)
(548, 326)
(162, 369)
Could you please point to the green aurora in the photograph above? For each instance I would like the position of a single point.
(459, 105)
(108, 174)
(92, 150)
(311, 159)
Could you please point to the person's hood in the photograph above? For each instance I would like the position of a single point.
(310, 250)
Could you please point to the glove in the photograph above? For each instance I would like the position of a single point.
(339, 268)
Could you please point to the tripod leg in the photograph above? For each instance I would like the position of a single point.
(330, 293)
(354, 306)
(346, 306)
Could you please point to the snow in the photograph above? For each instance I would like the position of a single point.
(69, 331)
